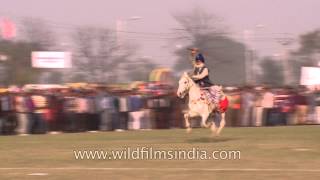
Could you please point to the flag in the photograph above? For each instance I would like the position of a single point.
(8, 28)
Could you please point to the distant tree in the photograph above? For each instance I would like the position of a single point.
(17, 68)
(224, 56)
(308, 53)
(309, 43)
(140, 69)
(39, 33)
(97, 56)
(271, 72)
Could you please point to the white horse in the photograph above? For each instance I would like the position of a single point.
(197, 105)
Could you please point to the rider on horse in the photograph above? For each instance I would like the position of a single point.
(200, 71)
(201, 77)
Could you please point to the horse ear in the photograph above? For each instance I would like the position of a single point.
(185, 74)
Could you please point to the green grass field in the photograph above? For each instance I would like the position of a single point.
(266, 153)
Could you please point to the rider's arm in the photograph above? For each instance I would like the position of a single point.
(204, 73)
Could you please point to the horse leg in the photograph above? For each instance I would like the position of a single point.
(204, 119)
(213, 126)
(213, 129)
(187, 117)
(222, 123)
(187, 122)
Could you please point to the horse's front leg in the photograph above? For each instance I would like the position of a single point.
(222, 123)
(187, 117)
(204, 118)
(187, 122)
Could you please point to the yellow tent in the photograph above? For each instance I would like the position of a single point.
(160, 74)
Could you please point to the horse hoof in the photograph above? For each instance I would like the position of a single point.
(189, 130)
(215, 135)
(205, 125)
(209, 124)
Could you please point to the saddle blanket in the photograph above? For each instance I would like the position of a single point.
(213, 96)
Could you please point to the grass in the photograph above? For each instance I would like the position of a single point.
(266, 153)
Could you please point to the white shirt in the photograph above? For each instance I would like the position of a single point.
(267, 100)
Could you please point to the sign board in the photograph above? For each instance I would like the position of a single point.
(44, 86)
(310, 76)
(51, 59)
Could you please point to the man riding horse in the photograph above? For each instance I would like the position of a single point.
(200, 71)
(201, 76)
(204, 98)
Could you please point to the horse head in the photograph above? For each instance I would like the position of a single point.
(185, 84)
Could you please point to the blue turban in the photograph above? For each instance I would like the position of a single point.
(200, 57)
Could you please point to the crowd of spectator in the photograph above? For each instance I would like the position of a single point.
(56, 110)
(264, 106)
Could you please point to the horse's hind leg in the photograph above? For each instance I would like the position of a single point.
(213, 126)
(213, 129)
(222, 123)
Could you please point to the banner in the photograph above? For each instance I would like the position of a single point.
(51, 59)
(310, 76)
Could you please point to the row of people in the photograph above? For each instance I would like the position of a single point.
(73, 111)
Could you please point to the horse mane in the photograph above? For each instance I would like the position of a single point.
(186, 74)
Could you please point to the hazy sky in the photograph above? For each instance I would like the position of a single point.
(273, 17)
